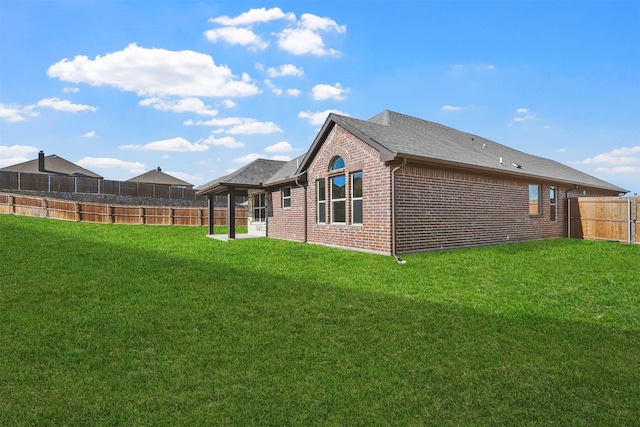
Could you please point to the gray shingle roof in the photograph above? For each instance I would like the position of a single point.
(54, 165)
(397, 135)
(252, 175)
(156, 176)
(286, 172)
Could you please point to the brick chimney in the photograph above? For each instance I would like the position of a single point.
(41, 161)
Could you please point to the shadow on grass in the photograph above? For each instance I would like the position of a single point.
(95, 332)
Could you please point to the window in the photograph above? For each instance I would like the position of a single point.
(553, 204)
(337, 163)
(321, 198)
(356, 198)
(338, 199)
(286, 197)
(259, 207)
(534, 200)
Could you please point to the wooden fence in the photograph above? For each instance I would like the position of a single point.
(605, 218)
(18, 204)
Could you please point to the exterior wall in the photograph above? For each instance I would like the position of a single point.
(287, 223)
(374, 235)
(255, 228)
(445, 209)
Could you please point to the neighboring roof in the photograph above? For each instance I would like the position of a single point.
(156, 176)
(252, 175)
(398, 136)
(53, 165)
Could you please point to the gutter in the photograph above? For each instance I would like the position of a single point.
(393, 212)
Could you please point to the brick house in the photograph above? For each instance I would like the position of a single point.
(396, 184)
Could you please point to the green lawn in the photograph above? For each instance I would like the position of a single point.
(144, 325)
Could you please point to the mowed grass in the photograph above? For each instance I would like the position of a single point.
(143, 325)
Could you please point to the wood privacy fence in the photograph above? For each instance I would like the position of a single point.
(605, 218)
(19, 181)
(18, 204)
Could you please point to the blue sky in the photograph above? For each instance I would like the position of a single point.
(202, 88)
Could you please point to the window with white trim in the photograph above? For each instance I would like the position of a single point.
(553, 204)
(321, 199)
(356, 198)
(286, 197)
(534, 200)
(338, 184)
(259, 207)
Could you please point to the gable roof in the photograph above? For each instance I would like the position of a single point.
(156, 176)
(398, 136)
(286, 173)
(53, 165)
(252, 175)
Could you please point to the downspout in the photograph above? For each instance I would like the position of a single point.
(393, 212)
(305, 207)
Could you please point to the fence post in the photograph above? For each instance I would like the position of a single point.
(141, 211)
(18, 181)
(78, 209)
(12, 204)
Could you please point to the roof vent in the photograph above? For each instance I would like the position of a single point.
(515, 165)
(41, 161)
(500, 160)
(159, 170)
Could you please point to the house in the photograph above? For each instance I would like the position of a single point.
(51, 165)
(397, 184)
(156, 176)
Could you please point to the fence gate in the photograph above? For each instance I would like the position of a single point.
(604, 218)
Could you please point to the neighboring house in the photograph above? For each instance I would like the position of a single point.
(51, 165)
(397, 184)
(156, 176)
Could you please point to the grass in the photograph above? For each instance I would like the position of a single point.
(142, 325)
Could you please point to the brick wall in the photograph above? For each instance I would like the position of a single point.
(445, 209)
(374, 234)
(287, 223)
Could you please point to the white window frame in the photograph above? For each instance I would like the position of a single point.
(286, 199)
(553, 204)
(339, 200)
(321, 219)
(260, 207)
(538, 201)
(355, 198)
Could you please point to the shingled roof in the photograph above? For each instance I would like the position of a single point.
(156, 176)
(253, 175)
(53, 165)
(398, 136)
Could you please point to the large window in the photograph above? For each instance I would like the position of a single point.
(338, 199)
(534, 200)
(356, 198)
(321, 199)
(553, 204)
(286, 197)
(338, 185)
(259, 207)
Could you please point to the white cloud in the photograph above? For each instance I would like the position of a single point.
(64, 105)
(235, 35)
(319, 117)
(71, 90)
(254, 16)
(560, 150)
(253, 156)
(226, 141)
(185, 105)
(293, 92)
(247, 159)
(14, 154)
(178, 144)
(154, 72)
(285, 70)
(322, 91)
(274, 88)
(15, 113)
(455, 108)
(523, 115)
(110, 163)
(90, 134)
(306, 38)
(238, 125)
(620, 157)
(193, 179)
(252, 126)
(280, 147)
(227, 103)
